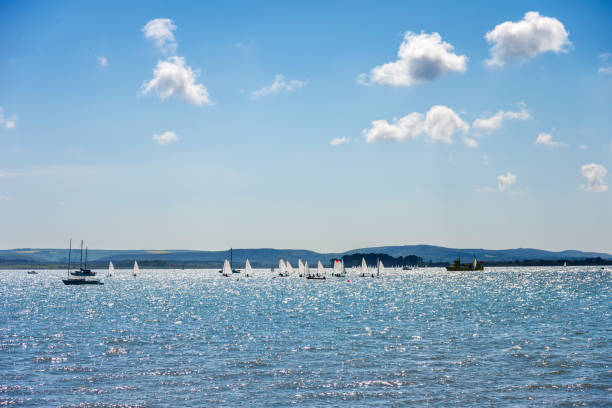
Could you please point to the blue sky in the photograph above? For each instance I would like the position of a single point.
(462, 140)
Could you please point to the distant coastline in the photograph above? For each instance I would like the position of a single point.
(406, 255)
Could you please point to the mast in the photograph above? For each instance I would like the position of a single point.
(85, 257)
(81, 261)
(231, 259)
(69, 254)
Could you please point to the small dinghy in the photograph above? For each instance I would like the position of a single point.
(227, 269)
(282, 269)
(247, 268)
(320, 275)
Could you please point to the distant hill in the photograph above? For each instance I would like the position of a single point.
(267, 257)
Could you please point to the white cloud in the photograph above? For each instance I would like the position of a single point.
(595, 175)
(277, 86)
(604, 59)
(605, 70)
(505, 181)
(160, 31)
(471, 143)
(10, 122)
(440, 124)
(546, 139)
(174, 77)
(102, 61)
(494, 122)
(407, 127)
(421, 57)
(339, 140)
(522, 40)
(165, 138)
(583, 147)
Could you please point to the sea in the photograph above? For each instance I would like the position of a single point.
(537, 336)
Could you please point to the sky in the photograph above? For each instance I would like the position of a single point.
(323, 125)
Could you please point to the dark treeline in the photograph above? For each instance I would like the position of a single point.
(539, 262)
(558, 262)
(387, 260)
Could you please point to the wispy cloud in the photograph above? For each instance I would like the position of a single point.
(505, 180)
(606, 68)
(279, 85)
(485, 159)
(546, 139)
(7, 122)
(339, 141)
(160, 31)
(102, 61)
(471, 143)
(523, 40)
(165, 138)
(595, 175)
(495, 122)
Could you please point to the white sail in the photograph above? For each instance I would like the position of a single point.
(136, 269)
(111, 269)
(320, 270)
(300, 267)
(248, 268)
(381, 267)
(289, 268)
(342, 269)
(364, 266)
(306, 269)
(227, 270)
(282, 268)
(475, 263)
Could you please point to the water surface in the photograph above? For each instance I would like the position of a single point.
(505, 336)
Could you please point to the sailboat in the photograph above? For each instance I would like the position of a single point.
(320, 272)
(364, 268)
(83, 271)
(227, 269)
(300, 268)
(339, 270)
(248, 269)
(136, 269)
(79, 280)
(564, 264)
(381, 268)
(282, 268)
(111, 269)
(289, 268)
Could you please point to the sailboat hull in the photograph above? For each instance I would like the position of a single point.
(71, 281)
(83, 272)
